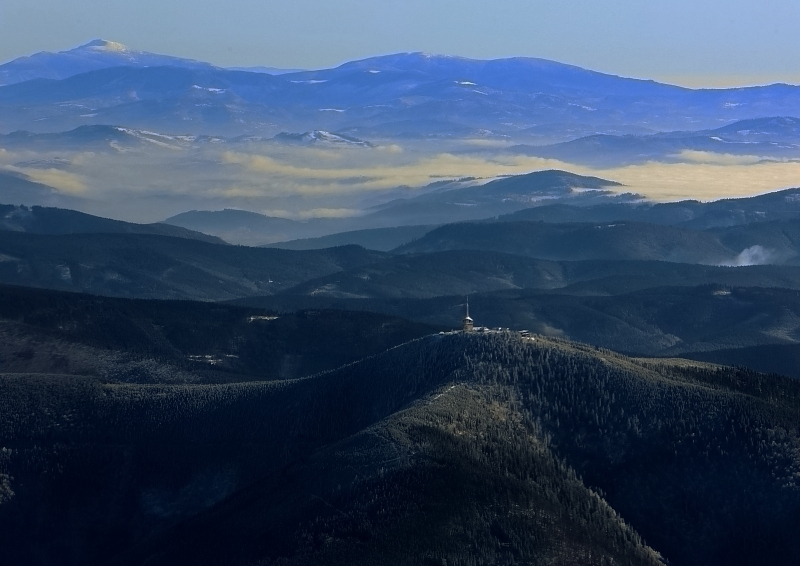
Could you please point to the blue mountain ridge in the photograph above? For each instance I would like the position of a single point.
(404, 94)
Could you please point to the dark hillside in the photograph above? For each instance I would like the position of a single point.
(654, 321)
(466, 272)
(41, 220)
(433, 274)
(448, 480)
(616, 241)
(783, 359)
(763, 242)
(20, 189)
(149, 341)
(774, 206)
(454, 447)
(179, 449)
(615, 278)
(148, 266)
(380, 239)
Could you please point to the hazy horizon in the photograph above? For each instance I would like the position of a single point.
(685, 81)
(716, 44)
(713, 44)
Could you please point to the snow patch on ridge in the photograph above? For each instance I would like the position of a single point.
(105, 45)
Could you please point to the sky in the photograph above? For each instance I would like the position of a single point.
(712, 43)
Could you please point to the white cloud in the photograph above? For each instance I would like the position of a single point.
(63, 181)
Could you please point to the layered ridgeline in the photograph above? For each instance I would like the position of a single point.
(757, 243)
(774, 137)
(68, 250)
(605, 282)
(400, 95)
(403, 219)
(154, 266)
(773, 206)
(545, 196)
(613, 260)
(461, 448)
(464, 272)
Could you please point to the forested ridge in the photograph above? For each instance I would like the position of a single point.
(518, 446)
(148, 341)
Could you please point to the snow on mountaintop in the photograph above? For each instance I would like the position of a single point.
(321, 136)
(102, 45)
(94, 55)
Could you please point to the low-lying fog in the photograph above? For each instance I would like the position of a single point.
(152, 182)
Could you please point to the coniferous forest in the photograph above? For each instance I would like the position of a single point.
(482, 448)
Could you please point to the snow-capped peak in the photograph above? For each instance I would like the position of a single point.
(321, 137)
(105, 46)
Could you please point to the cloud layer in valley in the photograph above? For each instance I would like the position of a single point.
(301, 182)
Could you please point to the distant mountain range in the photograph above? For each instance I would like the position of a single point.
(68, 250)
(778, 205)
(765, 138)
(116, 138)
(551, 197)
(438, 203)
(96, 54)
(544, 196)
(405, 94)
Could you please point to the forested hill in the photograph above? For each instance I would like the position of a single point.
(153, 266)
(620, 240)
(152, 341)
(469, 449)
(46, 220)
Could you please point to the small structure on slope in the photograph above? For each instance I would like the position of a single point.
(467, 323)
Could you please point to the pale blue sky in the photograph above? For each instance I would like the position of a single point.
(692, 42)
